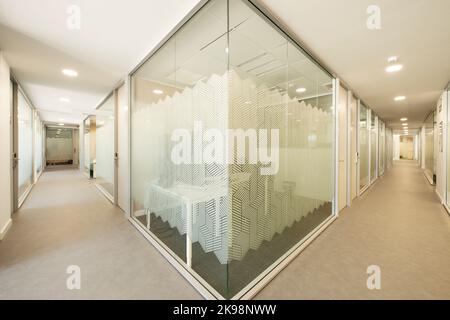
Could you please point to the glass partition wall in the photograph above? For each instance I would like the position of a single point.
(373, 146)
(446, 100)
(389, 149)
(87, 148)
(104, 147)
(232, 146)
(371, 140)
(25, 145)
(59, 146)
(429, 147)
(363, 139)
(38, 146)
(381, 147)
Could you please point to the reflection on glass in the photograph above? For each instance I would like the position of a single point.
(232, 145)
(382, 147)
(373, 146)
(104, 146)
(87, 138)
(363, 148)
(25, 121)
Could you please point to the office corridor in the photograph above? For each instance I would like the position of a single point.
(398, 225)
(67, 221)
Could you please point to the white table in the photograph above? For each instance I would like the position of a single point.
(189, 196)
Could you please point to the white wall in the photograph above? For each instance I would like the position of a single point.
(5, 147)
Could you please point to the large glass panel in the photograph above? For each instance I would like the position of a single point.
(25, 144)
(363, 147)
(276, 88)
(381, 147)
(59, 146)
(104, 146)
(389, 149)
(373, 146)
(38, 149)
(429, 146)
(87, 138)
(232, 145)
(447, 93)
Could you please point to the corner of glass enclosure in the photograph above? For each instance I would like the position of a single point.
(232, 146)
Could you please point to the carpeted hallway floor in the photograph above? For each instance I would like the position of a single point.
(66, 221)
(399, 225)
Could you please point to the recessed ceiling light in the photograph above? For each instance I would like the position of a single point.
(158, 91)
(403, 119)
(404, 124)
(69, 72)
(60, 124)
(392, 59)
(300, 90)
(394, 68)
(64, 99)
(247, 102)
(400, 98)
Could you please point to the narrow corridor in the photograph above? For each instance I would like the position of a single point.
(398, 225)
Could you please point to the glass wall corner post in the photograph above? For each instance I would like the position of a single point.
(364, 147)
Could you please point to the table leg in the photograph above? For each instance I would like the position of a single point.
(189, 234)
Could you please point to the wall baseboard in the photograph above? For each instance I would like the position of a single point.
(5, 229)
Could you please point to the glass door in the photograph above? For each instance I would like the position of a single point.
(25, 146)
(104, 147)
(363, 140)
(373, 146)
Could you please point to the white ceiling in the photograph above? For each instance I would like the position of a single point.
(418, 31)
(113, 38)
(116, 35)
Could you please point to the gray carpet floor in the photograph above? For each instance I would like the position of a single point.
(67, 221)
